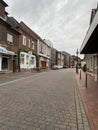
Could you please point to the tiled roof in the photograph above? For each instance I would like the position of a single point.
(1, 1)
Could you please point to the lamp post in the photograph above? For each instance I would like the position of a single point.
(77, 62)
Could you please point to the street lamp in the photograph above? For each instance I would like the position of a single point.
(77, 61)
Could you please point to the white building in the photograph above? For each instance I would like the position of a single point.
(27, 61)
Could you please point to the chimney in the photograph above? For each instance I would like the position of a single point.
(3, 13)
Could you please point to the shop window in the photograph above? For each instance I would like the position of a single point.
(32, 60)
(9, 39)
(4, 63)
(27, 59)
(22, 58)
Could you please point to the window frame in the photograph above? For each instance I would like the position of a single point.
(10, 39)
(24, 40)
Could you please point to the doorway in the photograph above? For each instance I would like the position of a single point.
(4, 63)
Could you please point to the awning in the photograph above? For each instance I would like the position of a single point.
(90, 43)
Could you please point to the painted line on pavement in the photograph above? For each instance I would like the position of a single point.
(2, 84)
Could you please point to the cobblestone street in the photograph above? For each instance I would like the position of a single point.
(46, 101)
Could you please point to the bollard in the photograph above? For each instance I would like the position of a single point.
(86, 80)
(80, 74)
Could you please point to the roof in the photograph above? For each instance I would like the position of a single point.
(89, 44)
(65, 53)
(13, 23)
(29, 30)
(1, 1)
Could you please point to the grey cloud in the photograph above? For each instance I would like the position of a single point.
(64, 22)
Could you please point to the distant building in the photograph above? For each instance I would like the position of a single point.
(59, 58)
(44, 53)
(66, 58)
(53, 57)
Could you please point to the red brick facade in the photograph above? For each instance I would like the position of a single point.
(26, 31)
(8, 59)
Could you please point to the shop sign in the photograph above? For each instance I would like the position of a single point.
(3, 50)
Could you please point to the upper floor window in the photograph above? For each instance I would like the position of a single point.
(9, 38)
(24, 40)
(33, 45)
(41, 47)
(29, 43)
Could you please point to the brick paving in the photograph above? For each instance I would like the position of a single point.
(90, 99)
(48, 101)
(14, 76)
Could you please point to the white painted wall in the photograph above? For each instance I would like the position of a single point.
(27, 61)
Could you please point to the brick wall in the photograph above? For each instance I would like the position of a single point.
(2, 10)
(26, 31)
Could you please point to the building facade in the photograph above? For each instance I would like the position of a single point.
(89, 46)
(8, 42)
(44, 53)
(27, 48)
(59, 58)
(53, 57)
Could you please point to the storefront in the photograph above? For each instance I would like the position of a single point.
(44, 63)
(27, 61)
(7, 60)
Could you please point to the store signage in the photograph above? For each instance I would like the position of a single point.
(3, 50)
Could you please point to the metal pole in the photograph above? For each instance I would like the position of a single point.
(77, 62)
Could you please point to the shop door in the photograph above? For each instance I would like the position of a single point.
(14, 65)
(43, 65)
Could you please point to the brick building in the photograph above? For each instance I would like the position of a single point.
(27, 47)
(8, 42)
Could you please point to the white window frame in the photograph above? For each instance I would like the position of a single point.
(24, 40)
(32, 61)
(29, 43)
(9, 39)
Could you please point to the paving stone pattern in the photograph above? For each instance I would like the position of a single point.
(44, 102)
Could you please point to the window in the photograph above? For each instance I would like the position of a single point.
(9, 38)
(29, 43)
(27, 59)
(22, 58)
(41, 47)
(33, 45)
(32, 60)
(24, 41)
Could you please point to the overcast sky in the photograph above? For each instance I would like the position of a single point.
(63, 22)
